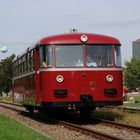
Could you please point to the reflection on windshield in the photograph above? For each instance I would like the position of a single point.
(69, 56)
(100, 56)
(95, 56)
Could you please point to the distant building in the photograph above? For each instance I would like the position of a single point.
(136, 49)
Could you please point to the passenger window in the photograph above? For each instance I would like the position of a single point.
(32, 60)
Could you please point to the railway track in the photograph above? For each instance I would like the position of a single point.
(11, 103)
(12, 106)
(132, 110)
(119, 125)
(126, 109)
(78, 128)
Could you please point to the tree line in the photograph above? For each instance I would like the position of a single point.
(6, 74)
(132, 74)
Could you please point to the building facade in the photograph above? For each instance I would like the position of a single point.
(136, 49)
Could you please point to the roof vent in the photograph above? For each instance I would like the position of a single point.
(73, 30)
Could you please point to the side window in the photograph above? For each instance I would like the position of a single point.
(32, 60)
(117, 56)
(24, 67)
(28, 62)
(45, 53)
(14, 69)
(20, 67)
(17, 63)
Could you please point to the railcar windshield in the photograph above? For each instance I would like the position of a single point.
(87, 56)
(69, 56)
(99, 55)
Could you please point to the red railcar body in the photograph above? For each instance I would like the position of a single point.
(55, 73)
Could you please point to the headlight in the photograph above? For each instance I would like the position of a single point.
(59, 78)
(84, 38)
(109, 78)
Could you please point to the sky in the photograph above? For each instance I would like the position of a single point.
(23, 22)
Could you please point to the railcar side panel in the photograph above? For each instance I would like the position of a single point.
(24, 90)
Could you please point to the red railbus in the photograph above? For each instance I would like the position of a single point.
(74, 71)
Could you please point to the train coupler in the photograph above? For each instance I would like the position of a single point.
(86, 100)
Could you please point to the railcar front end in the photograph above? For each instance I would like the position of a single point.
(72, 83)
(75, 72)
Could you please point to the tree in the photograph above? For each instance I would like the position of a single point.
(6, 74)
(132, 74)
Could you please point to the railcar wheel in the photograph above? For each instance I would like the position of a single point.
(30, 109)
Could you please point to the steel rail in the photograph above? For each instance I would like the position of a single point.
(119, 125)
(11, 103)
(133, 110)
(12, 108)
(92, 133)
(128, 109)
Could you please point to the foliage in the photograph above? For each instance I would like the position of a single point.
(107, 115)
(117, 116)
(132, 74)
(12, 130)
(6, 74)
(128, 118)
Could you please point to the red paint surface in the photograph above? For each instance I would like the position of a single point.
(75, 39)
(78, 83)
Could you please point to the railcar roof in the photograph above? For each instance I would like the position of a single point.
(74, 38)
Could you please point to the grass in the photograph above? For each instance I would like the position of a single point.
(107, 115)
(118, 116)
(130, 118)
(132, 104)
(6, 98)
(136, 104)
(12, 130)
